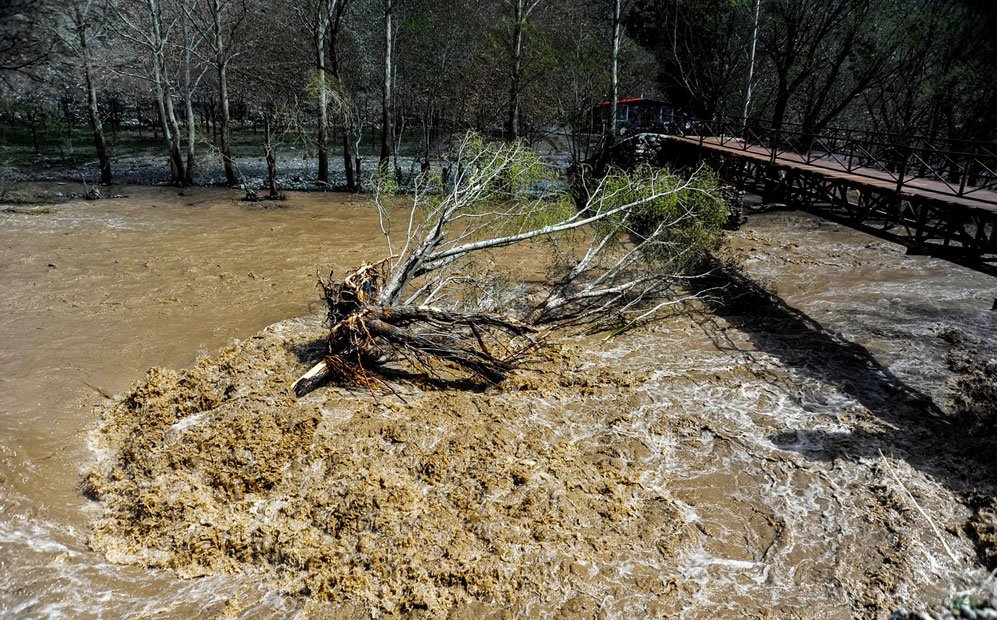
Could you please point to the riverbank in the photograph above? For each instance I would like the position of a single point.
(297, 170)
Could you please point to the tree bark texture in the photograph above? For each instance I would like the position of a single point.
(386, 91)
(615, 71)
(100, 145)
(519, 17)
(164, 97)
(221, 61)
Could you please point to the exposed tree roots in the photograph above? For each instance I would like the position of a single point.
(645, 231)
(365, 336)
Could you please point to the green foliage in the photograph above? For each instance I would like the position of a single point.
(494, 172)
(559, 209)
(691, 212)
(520, 171)
(963, 601)
(382, 182)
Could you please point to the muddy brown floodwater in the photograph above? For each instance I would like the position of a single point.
(748, 459)
(95, 293)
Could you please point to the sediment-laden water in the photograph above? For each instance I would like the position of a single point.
(745, 459)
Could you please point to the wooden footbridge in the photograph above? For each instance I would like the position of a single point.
(937, 197)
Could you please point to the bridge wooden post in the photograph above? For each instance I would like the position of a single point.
(964, 177)
(902, 169)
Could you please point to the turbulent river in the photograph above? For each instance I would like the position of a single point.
(800, 459)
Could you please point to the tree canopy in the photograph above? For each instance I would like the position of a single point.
(410, 75)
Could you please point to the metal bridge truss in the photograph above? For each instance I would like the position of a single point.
(925, 225)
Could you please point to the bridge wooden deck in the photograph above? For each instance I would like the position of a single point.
(954, 221)
(860, 177)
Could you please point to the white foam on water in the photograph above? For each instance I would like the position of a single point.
(758, 453)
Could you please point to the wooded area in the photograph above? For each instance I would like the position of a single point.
(338, 80)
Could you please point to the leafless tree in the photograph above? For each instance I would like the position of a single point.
(191, 39)
(350, 121)
(322, 19)
(85, 28)
(147, 26)
(227, 16)
(614, 80)
(826, 54)
(387, 96)
(23, 48)
(521, 11)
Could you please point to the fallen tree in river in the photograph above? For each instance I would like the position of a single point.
(616, 255)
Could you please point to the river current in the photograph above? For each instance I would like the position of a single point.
(801, 450)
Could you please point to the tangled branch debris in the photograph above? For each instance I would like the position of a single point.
(365, 335)
(647, 231)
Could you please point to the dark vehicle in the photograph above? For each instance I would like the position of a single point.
(639, 115)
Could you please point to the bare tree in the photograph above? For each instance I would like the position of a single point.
(521, 11)
(700, 46)
(751, 61)
(225, 24)
(387, 96)
(824, 55)
(22, 46)
(614, 80)
(152, 36)
(347, 113)
(322, 19)
(278, 118)
(85, 24)
(190, 41)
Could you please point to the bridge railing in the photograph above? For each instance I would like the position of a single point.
(961, 168)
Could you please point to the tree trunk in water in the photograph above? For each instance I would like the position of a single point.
(386, 118)
(323, 117)
(100, 145)
(271, 159)
(351, 178)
